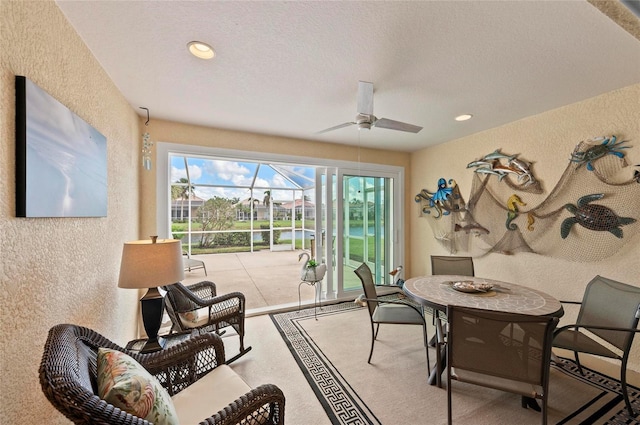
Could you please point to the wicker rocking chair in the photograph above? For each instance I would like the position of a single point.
(191, 369)
(198, 306)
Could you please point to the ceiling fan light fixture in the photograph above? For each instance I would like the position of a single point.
(201, 50)
(464, 117)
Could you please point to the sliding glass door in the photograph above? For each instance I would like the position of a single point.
(361, 209)
(349, 214)
(367, 226)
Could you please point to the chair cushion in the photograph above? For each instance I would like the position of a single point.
(397, 313)
(124, 383)
(209, 394)
(195, 318)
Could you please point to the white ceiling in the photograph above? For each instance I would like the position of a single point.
(291, 68)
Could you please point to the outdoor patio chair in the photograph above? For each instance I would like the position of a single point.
(198, 306)
(443, 264)
(193, 264)
(505, 351)
(610, 311)
(395, 312)
(201, 387)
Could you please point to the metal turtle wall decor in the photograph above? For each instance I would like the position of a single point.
(593, 217)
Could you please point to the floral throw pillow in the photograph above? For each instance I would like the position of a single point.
(124, 383)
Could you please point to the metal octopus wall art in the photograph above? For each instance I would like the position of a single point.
(443, 201)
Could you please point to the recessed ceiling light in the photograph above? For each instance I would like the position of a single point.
(201, 50)
(464, 117)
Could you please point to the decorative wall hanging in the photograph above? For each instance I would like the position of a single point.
(546, 224)
(513, 210)
(450, 221)
(61, 161)
(443, 201)
(594, 217)
(147, 144)
(609, 146)
(500, 165)
(591, 213)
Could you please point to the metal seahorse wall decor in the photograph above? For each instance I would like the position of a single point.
(513, 211)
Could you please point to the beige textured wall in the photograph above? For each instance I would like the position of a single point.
(55, 270)
(547, 140)
(171, 132)
(65, 270)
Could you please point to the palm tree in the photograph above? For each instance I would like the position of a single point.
(267, 198)
(182, 192)
(266, 201)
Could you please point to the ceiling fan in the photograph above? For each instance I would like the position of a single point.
(365, 118)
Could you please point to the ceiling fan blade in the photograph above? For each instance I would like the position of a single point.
(346, 124)
(365, 98)
(396, 125)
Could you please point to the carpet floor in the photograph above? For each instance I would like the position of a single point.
(332, 351)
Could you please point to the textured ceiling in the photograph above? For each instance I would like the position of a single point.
(292, 68)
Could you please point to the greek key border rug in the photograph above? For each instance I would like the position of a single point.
(343, 405)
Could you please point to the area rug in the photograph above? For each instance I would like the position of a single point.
(332, 352)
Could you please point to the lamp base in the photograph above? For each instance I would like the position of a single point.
(152, 308)
(153, 345)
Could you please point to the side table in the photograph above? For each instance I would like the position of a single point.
(171, 340)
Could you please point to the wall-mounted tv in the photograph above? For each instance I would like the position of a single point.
(61, 161)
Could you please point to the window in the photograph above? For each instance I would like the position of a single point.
(218, 200)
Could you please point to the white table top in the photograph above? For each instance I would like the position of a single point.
(436, 292)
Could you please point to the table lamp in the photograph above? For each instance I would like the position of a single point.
(149, 264)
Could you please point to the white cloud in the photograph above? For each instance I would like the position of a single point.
(195, 172)
(227, 170)
(279, 181)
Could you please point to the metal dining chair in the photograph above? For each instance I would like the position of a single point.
(385, 311)
(610, 310)
(444, 264)
(501, 350)
(448, 265)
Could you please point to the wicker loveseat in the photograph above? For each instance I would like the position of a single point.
(194, 368)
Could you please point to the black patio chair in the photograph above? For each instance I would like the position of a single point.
(198, 306)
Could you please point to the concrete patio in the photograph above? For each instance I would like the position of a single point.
(269, 280)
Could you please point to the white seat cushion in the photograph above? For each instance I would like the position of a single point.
(208, 395)
(196, 318)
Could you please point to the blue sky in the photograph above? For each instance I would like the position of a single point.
(234, 178)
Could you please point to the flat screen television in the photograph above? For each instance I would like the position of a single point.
(61, 161)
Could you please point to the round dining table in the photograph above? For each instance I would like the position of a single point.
(439, 291)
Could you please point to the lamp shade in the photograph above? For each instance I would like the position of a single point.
(148, 264)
